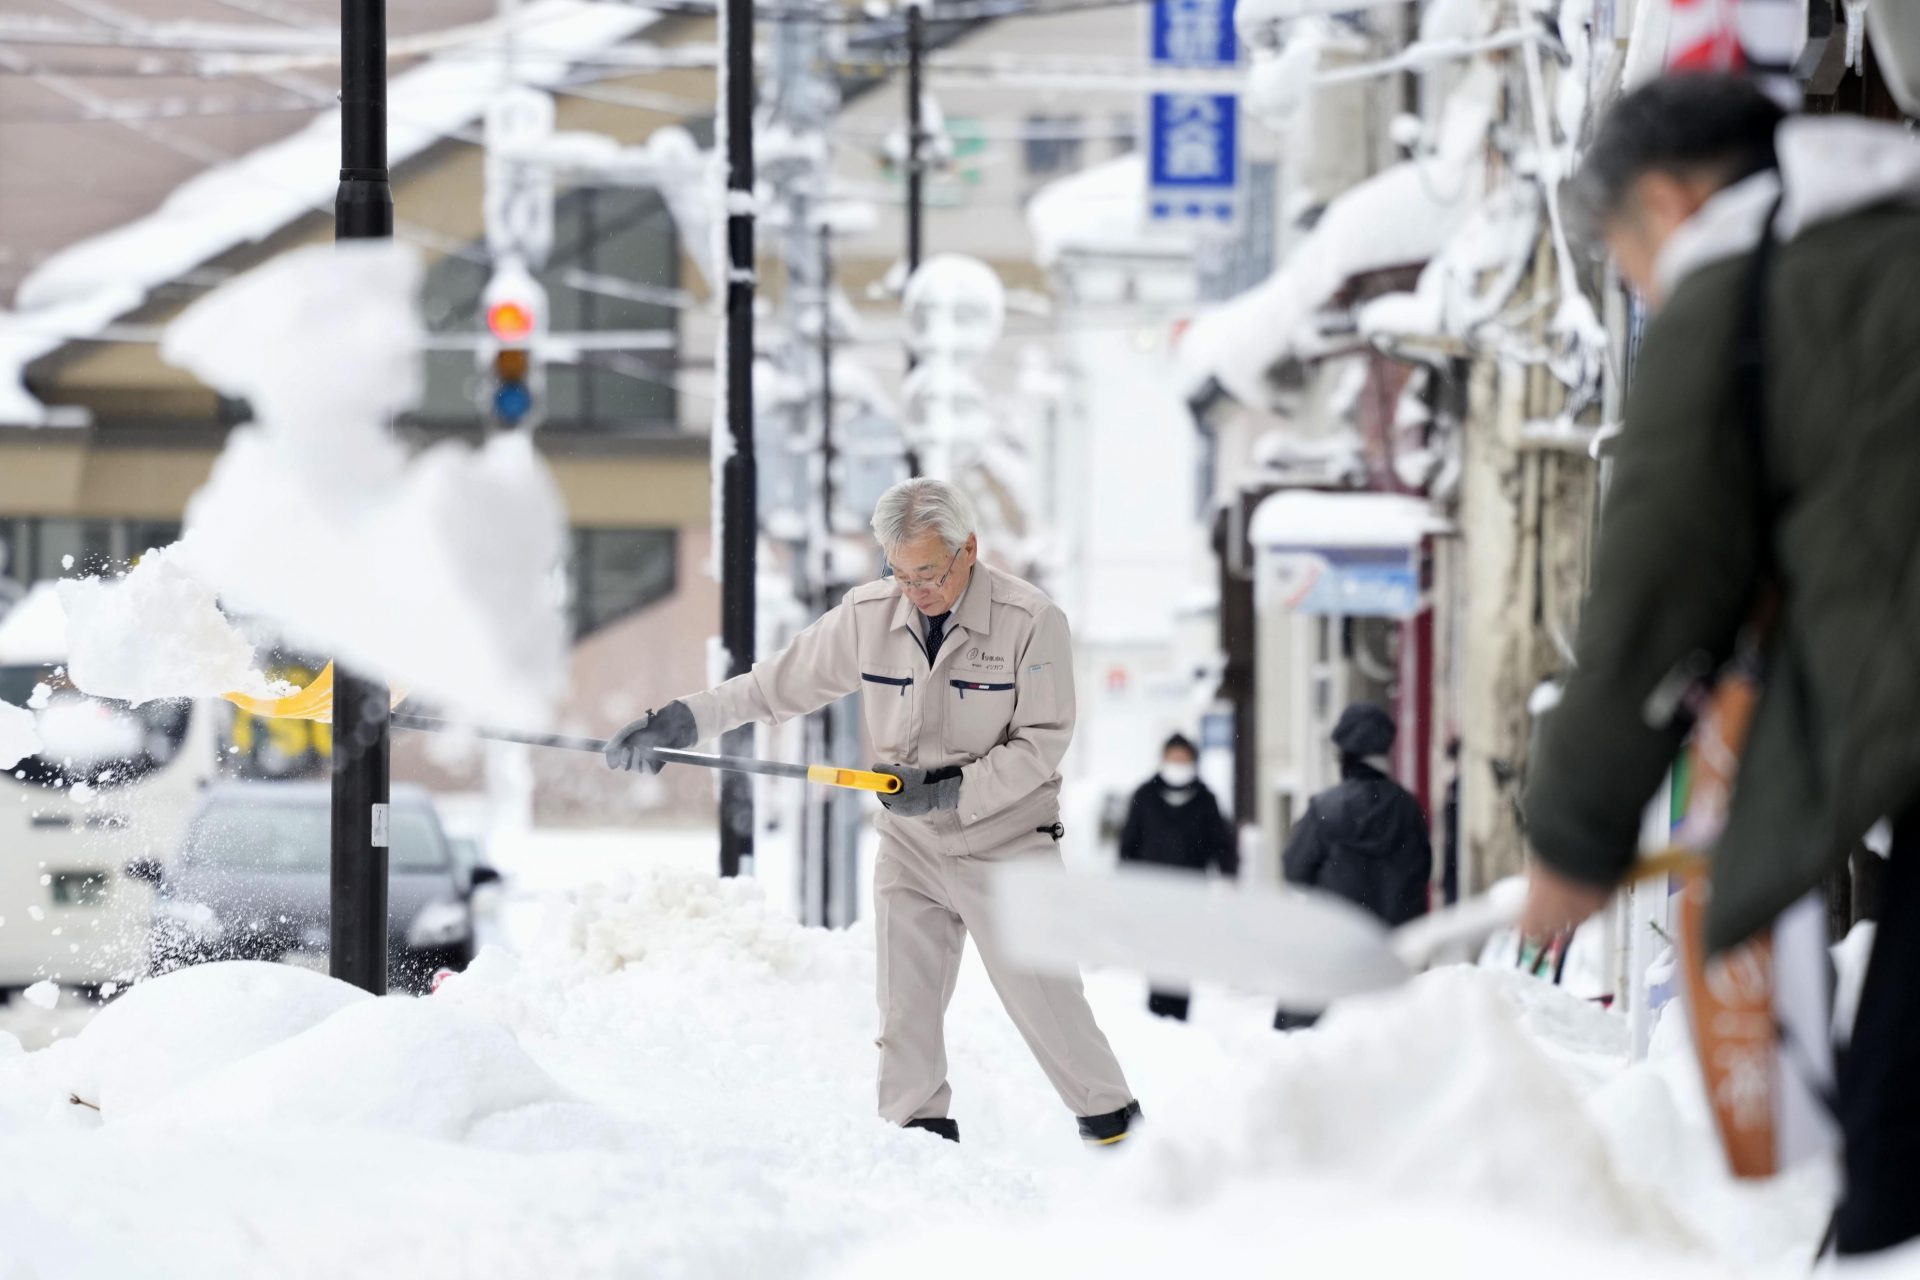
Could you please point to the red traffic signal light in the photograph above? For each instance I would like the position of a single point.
(510, 321)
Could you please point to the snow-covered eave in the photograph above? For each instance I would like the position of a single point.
(1100, 213)
(84, 288)
(1306, 518)
(1400, 217)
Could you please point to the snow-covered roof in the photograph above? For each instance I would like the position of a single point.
(1401, 216)
(1101, 209)
(1310, 518)
(87, 286)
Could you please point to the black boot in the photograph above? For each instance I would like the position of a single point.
(1112, 1128)
(948, 1129)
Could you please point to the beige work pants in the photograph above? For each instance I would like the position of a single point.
(926, 900)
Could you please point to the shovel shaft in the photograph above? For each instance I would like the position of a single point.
(825, 775)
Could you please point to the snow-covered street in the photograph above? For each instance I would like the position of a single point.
(897, 639)
(665, 1078)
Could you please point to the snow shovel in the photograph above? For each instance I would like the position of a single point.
(315, 702)
(1305, 948)
(825, 775)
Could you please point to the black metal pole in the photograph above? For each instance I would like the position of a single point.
(739, 517)
(828, 746)
(362, 210)
(916, 194)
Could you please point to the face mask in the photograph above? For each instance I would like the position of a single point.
(1179, 774)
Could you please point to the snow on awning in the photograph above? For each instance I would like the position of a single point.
(1401, 216)
(85, 287)
(1296, 518)
(1101, 209)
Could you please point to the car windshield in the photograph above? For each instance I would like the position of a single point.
(293, 838)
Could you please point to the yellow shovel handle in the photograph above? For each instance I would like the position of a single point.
(854, 779)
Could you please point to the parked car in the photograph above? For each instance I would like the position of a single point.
(250, 882)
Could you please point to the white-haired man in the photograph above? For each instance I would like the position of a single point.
(965, 677)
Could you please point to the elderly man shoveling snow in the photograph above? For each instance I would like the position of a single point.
(965, 677)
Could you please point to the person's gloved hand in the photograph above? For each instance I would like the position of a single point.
(921, 790)
(632, 748)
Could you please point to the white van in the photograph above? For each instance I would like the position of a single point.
(111, 784)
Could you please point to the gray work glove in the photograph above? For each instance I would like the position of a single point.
(632, 748)
(921, 791)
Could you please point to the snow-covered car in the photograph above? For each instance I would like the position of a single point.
(250, 881)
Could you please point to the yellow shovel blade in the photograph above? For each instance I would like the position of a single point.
(315, 702)
(854, 779)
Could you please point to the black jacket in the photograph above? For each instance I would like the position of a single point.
(1365, 840)
(1192, 835)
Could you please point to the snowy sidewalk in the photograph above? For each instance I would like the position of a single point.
(670, 1079)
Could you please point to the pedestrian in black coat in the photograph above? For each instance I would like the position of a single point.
(1365, 839)
(1174, 821)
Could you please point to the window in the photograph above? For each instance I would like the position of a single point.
(1052, 144)
(616, 571)
(628, 240)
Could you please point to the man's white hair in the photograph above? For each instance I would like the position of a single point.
(914, 508)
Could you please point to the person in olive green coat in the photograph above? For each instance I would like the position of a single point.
(1822, 501)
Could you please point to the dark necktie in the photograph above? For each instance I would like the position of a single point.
(936, 632)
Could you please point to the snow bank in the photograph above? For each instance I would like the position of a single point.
(34, 631)
(401, 1065)
(163, 1035)
(438, 572)
(19, 738)
(1275, 1227)
(669, 1078)
(156, 633)
(1431, 1090)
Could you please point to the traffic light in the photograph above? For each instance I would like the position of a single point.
(516, 315)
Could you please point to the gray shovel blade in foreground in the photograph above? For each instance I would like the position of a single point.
(1302, 947)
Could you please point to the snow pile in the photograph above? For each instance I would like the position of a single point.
(163, 1035)
(1432, 1090)
(398, 1065)
(671, 1079)
(693, 925)
(156, 633)
(19, 738)
(438, 572)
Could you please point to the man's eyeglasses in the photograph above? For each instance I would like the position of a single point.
(924, 584)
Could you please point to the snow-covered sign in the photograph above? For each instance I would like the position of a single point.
(1351, 554)
(1193, 139)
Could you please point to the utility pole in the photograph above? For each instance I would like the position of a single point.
(362, 210)
(733, 428)
(916, 193)
(804, 98)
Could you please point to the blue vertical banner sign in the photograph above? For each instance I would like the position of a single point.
(1194, 170)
